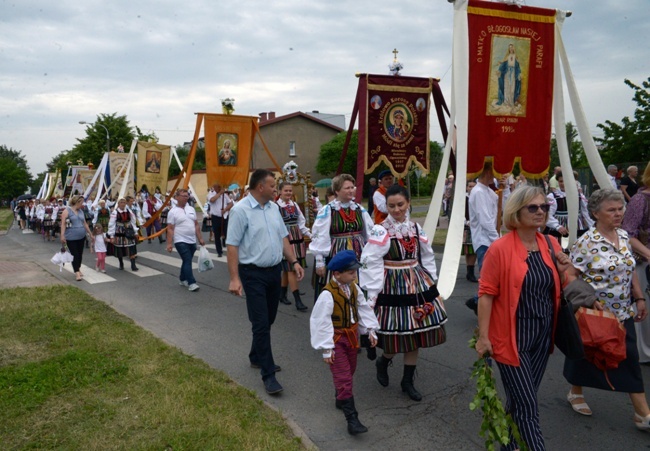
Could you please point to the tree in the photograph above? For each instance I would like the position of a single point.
(91, 148)
(183, 152)
(576, 150)
(630, 140)
(330, 155)
(16, 177)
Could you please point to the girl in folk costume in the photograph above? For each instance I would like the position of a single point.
(295, 222)
(58, 211)
(102, 215)
(399, 274)
(48, 216)
(123, 233)
(341, 224)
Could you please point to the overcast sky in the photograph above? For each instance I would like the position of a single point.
(158, 61)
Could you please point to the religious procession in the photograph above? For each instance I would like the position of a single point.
(558, 258)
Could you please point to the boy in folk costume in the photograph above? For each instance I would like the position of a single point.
(340, 314)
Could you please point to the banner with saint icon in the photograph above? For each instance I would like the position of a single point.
(153, 165)
(228, 148)
(394, 124)
(511, 60)
(121, 171)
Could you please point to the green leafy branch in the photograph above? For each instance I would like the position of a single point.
(497, 424)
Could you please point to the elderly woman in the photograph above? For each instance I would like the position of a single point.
(123, 233)
(399, 274)
(603, 259)
(74, 229)
(636, 223)
(342, 224)
(519, 296)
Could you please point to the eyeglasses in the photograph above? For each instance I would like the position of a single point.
(532, 208)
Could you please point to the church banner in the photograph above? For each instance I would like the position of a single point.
(228, 148)
(394, 124)
(511, 58)
(118, 164)
(153, 165)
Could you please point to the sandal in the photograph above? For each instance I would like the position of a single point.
(582, 408)
(641, 423)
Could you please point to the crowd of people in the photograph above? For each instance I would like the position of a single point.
(375, 278)
(522, 272)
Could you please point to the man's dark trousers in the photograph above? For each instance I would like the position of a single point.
(262, 289)
(219, 226)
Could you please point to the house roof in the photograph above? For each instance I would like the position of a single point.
(277, 119)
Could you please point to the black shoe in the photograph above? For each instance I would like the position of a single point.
(299, 305)
(272, 386)
(352, 417)
(407, 383)
(277, 368)
(471, 277)
(472, 305)
(133, 267)
(382, 370)
(283, 296)
(162, 241)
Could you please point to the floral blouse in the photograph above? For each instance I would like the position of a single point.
(607, 269)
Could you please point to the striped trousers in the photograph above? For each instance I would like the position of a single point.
(343, 368)
(521, 383)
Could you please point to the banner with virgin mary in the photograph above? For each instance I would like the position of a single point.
(511, 60)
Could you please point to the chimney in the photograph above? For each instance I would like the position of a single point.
(263, 117)
(271, 115)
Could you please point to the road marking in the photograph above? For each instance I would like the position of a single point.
(166, 259)
(90, 275)
(143, 271)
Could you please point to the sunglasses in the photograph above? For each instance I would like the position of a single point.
(532, 208)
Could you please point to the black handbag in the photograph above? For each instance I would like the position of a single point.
(567, 333)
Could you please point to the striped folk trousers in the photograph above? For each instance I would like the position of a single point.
(343, 368)
(521, 383)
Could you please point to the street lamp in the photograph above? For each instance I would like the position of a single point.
(108, 137)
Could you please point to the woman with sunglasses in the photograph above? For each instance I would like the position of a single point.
(519, 296)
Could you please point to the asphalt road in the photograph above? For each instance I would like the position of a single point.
(212, 325)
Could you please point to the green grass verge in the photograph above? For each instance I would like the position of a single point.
(74, 374)
(6, 218)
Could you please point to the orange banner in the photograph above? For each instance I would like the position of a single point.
(228, 148)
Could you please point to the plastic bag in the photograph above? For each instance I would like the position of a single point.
(205, 262)
(62, 257)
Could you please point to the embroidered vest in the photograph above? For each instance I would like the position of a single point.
(342, 306)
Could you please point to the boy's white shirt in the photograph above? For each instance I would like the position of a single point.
(320, 322)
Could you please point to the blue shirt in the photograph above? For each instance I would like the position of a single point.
(258, 231)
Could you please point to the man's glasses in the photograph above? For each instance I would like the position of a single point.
(532, 208)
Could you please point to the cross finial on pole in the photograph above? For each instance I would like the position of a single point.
(395, 52)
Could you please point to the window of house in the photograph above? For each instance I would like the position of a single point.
(292, 148)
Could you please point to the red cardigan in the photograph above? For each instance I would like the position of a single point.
(502, 276)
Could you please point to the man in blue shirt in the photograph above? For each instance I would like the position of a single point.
(257, 239)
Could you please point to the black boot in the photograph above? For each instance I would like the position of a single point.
(470, 274)
(407, 383)
(133, 267)
(382, 370)
(354, 425)
(299, 305)
(283, 296)
(121, 263)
